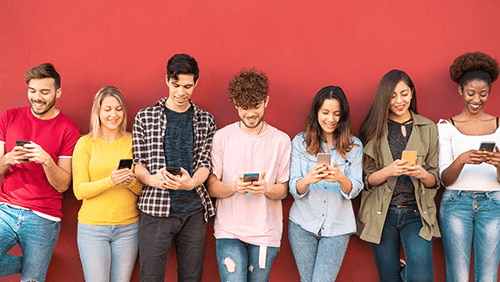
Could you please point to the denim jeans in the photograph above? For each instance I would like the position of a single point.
(318, 258)
(156, 235)
(35, 235)
(108, 252)
(239, 261)
(402, 226)
(470, 218)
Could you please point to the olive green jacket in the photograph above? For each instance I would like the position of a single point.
(375, 200)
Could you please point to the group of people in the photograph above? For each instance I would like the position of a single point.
(180, 162)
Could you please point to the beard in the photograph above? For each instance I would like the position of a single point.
(49, 105)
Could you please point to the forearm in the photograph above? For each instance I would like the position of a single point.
(378, 177)
(345, 184)
(142, 174)
(200, 176)
(451, 173)
(219, 189)
(4, 165)
(429, 180)
(276, 191)
(87, 190)
(58, 177)
(301, 186)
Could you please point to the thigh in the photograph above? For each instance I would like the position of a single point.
(304, 246)
(9, 264)
(256, 271)
(124, 249)
(37, 238)
(190, 248)
(155, 239)
(456, 221)
(487, 238)
(331, 252)
(232, 258)
(94, 248)
(386, 253)
(418, 251)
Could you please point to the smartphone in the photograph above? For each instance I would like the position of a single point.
(22, 143)
(323, 158)
(487, 146)
(250, 177)
(410, 156)
(174, 170)
(125, 163)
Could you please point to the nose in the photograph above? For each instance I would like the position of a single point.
(476, 98)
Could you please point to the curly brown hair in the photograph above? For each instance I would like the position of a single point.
(248, 89)
(476, 62)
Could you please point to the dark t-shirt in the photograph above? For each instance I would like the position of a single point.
(178, 146)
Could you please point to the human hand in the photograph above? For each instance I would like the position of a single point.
(493, 158)
(473, 157)
(333, 173)
(122, 176)
(397, 168)
(258, 188)
(179, 182)
(35, 153)
(316, 174)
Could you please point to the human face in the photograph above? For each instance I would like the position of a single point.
(400, 103)
(42, 95)
(180, 91)
(111, 114)
(474, 95)
(251, 118)
(329, 116)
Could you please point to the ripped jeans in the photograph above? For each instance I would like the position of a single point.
(239, 261)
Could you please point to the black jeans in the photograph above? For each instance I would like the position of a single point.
(156, 235)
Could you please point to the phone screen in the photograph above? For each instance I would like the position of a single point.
(174, 170)
(250, 177)
(487, 146)
(125, 163)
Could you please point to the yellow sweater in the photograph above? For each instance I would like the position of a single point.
(103, 202)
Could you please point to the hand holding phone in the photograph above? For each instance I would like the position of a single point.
(174, 171)
(409, 156)
(487, 146)
(250, 177)
(21, 143)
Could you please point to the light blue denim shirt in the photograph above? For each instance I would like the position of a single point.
(325, 209)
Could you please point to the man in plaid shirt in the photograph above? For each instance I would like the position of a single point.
(171, 144)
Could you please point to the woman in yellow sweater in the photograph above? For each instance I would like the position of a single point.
(108, 220)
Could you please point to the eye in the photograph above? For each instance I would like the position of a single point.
(405, 93)
(119, 109)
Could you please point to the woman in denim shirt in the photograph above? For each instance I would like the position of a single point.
(321, 217)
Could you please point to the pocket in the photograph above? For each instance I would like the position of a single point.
(494, 198)
(449, 197)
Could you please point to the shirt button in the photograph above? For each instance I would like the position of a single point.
(322, 215)
(324, 201)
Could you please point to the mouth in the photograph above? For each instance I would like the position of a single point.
(400, 108)
(475, 106)
(330, 125)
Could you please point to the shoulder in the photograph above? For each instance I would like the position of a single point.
(67, 121)
(202, 114)
(226, 131)
(278, 134)
(422, 121)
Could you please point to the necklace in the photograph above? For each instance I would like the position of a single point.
(261, 127)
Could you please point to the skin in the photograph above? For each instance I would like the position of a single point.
(42, 95)
(251, 122)
(180, 91)
(473, 121)
(111, 118)
(399, 112)
(328, 118)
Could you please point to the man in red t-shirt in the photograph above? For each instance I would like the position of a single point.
(36, 173)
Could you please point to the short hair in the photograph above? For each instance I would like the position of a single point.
(95, 122)
(46, 70)
(248, 88)
(472, 66)
(182, 64)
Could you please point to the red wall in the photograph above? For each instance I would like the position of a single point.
(301, 45)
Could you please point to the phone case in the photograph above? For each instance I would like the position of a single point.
(410, 156)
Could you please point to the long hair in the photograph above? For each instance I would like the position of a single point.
(375, 122)
(95, 122)
(341, 134)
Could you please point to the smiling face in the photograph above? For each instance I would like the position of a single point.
(329, 116)
(400, 103)
(42, 95)
(251, 118)
(474, 95)
(180, 91)
(111, 114)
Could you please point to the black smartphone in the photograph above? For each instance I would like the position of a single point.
(174, 170)
(22, 142)
(125, 163)
(487, 146)
(250, 177)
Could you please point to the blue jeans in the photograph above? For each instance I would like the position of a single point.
(239, 261)
(402, 226)
(156, 235)
(108, 252)
(318, 258)
(35, 235)
(470, 218)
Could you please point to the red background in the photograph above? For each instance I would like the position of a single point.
(301, 45)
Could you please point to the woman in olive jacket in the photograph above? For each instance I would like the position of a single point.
(397, 204)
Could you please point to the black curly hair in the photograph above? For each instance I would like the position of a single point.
(472, 66)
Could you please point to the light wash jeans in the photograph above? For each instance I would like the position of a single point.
(239, 261)
(402, 226)
(318, 258)
(470, 218)
(108, 252)
(35, 235)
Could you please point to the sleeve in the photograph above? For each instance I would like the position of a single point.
(355, 173)
(216, 156)
(369, 167)
(136, 187)
(204, 158)
(445, 147)
(296, 164)
(71, 136)
(432, 164)
(3, 127)
(138, 143)
(284, 165)
(82, 187)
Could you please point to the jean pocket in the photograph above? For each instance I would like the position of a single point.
(449, 197)
(494, 198)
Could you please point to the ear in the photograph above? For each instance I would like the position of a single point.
(267, 101)
(460, 90)
(58, 93)
(166, 80)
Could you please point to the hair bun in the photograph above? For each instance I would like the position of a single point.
(471, 62)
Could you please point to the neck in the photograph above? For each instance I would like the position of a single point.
(401, 118)
(254, 130)
(109, 135)
(172, 106)
(330, 141)
(52, 113)
(472, 116)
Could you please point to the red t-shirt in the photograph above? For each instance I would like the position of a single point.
(26, 185)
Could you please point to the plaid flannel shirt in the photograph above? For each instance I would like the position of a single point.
(147, 144)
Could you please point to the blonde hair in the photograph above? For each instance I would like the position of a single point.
(95, 122)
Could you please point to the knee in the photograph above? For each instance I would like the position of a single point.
(229, 264)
